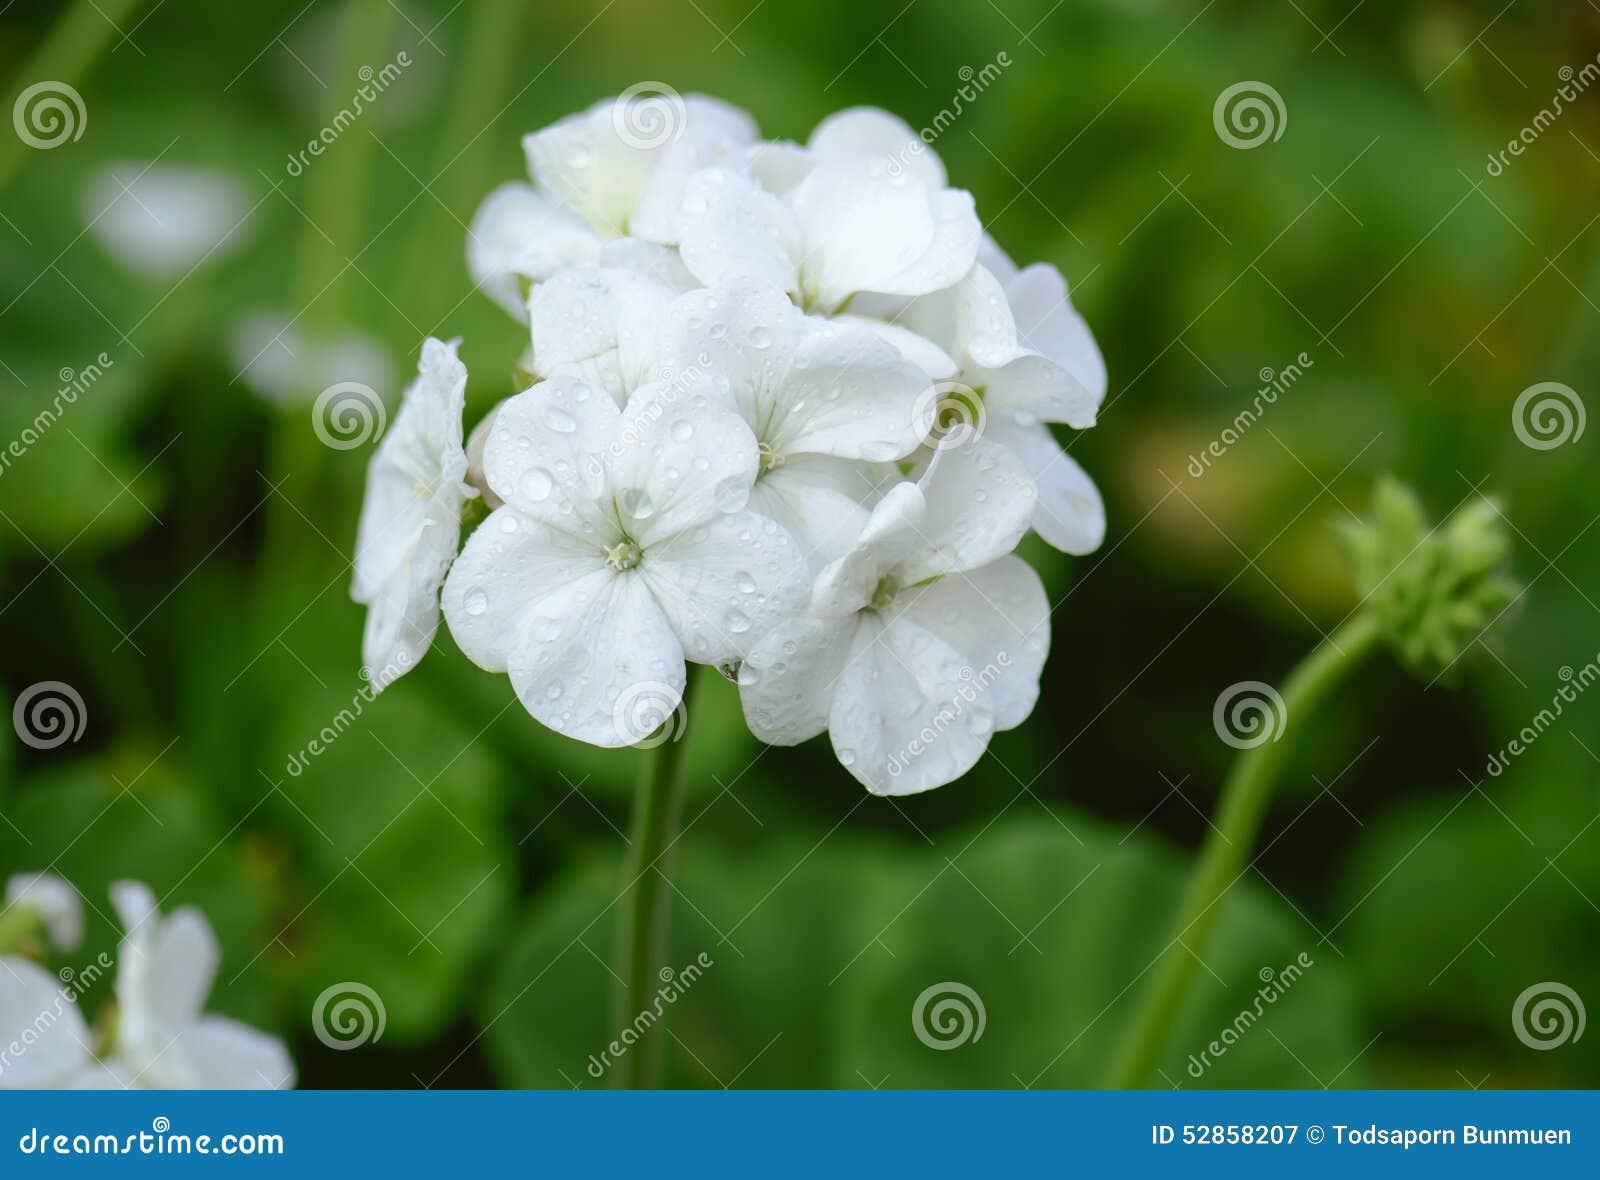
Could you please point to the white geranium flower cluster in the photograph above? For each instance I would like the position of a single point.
(156, 1037)
(786, 413)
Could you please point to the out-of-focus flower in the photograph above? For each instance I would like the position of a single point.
(162, 220)
(54, 901)
(288, 367)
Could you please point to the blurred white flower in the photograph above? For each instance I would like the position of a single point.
(288, 368)
(164, 219)
(411, 518)
(44, 1042)
(56, 903)
(848, 217)
(624, 547)
(830, 404)
(922, 640)
(165, 968)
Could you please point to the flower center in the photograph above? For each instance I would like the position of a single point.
(624, 555)
(884, 593)
(771, 459)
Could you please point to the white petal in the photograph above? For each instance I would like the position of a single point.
(105, 1075)
(891, 536)
(904, 718)
(727, 583)
(743, 332)
(594, 656)
(732, 228)
(599, 324)
(164, 975)
(849, 394)
(980, 500)
(546, 453)
(716, 134)
(787, 682)
(43, 1039)
(57, 903)
(411, 516)
(509, 563)
(935, 363)
(681, 459)
(864, 229)
(995, 260)
(1033, 388)
(868, 131)
(1048, 323)
(661, 263)
(820, 500)
(215, 1053)
(778, 165)
(998, 618)
(518, 236)
(1070, 514)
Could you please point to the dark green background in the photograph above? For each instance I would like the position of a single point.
(460, 860)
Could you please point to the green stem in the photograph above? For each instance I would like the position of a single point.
(74, 44)
(642, 926)
(1224, 857)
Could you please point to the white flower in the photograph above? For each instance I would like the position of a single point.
(165, 969)
(856, 220)
(1025, 356)
(55, 902)
(163, 219)
(286, 367)
(595, 180)
(922, 640)
(830, 404)
(411, 517)
(44, 1042)
(600, 324)
(624, 547)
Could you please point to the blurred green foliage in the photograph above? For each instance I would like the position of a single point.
(177, 549)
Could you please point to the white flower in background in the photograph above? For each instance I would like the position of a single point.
(830, 404)
(286, 367)
(616, 170)
(922, 640)
(164, 219)
(855, 220)
(411, 517)
(43, 1038)
(1025, 357)
(54, 901)
(165, 968)
(623, 548)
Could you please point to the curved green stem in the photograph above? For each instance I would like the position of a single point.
(1224, 857)
(75, 43)
(642, 919)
